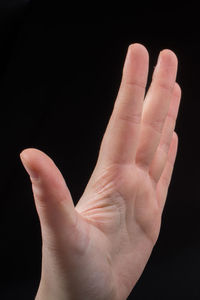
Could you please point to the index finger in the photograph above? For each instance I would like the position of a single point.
(120, 140)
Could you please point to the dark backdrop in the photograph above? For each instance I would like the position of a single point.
(58, 83)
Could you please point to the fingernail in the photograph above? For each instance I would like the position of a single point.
(31, 172)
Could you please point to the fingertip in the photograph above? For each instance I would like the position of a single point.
(32, 154)
(175, 138)
(25, 153)
(26, 161)
(169, 56)
(173, 148)
(135, 46)
(35, 161)
(138, 49)
(175, 103)
(136, 64)
(28, 151)
(177, 90)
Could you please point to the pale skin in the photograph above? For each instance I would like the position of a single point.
(99, 248)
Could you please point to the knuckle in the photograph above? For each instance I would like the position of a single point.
(135, 84)
(130, 118)
(156, 125)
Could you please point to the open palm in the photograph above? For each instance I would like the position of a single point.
(98, 249)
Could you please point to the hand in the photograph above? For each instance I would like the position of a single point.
(98, 249)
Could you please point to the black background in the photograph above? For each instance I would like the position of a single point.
(58, 83)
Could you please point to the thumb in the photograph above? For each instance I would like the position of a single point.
(52, 197)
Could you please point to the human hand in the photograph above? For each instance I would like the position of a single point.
(98, 249)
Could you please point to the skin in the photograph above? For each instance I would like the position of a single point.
(99, 248)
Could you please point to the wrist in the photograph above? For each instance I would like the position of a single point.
(51, 293)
